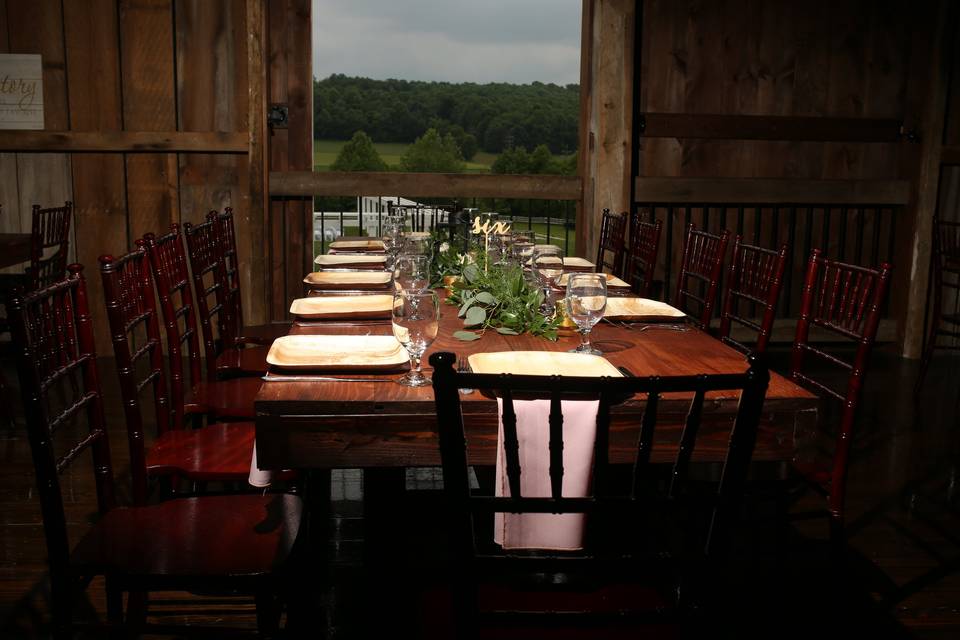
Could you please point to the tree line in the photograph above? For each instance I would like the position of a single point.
(490, 117)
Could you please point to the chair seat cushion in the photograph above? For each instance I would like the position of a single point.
(263, 334)
(224, 398)
(219, 451)
(251, 361)
(210, 536)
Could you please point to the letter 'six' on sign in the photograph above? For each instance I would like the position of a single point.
(21, 91)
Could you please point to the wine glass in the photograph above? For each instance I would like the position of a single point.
(392, 240)
(586, 301)
(548, 266)
(417, 243)
(416, 320)
(412, 273)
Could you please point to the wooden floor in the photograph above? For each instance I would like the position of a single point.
(904, 534)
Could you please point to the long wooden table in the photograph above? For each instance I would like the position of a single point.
(14, 248)
(323, 425)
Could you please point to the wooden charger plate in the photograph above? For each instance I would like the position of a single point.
(542, 363)
(357, 245)
(337, 353)
(347, 261)
(641, 309)
(369, 307)
(348, 280)
(612, 281)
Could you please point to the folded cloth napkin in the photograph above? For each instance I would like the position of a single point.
(546, 530)
(258, 477)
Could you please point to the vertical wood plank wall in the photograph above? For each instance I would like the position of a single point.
(132, 65)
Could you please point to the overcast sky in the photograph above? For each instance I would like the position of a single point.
(452, 40)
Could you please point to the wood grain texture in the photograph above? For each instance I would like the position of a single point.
(157, 140)
(744, 127)
(256, 204)
(149, 104)
(769, 190)
(100, 211)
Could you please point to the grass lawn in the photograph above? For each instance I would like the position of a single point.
(325, 153)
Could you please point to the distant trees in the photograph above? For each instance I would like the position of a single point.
(491, 117)
(433, 153)
(540, 160)
(359, 154)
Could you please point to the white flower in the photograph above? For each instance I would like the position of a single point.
(444, 247)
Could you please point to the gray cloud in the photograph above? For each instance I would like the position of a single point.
(454, 40)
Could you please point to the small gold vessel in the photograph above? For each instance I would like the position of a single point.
(449, 280)
(565, 321)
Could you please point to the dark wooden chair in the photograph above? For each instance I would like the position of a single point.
(642, 256)
(50, 231)
(702, 262)
(754, 279)
(662, 536)
(215, 308)
(945, 269)
(220, 398)
(243, 334)
(216, 452)
(229, 543)
(610, 247)
(844, 300)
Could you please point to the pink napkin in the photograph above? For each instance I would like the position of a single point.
(546, 530)
(258, 477)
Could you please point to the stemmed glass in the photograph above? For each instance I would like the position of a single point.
(586, 301)
(548, 266)
(418, 243)
(392, 240)
(412, 273)
(416, 320)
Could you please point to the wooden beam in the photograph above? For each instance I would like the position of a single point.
(950, 154)
(738, 127)
(362, 183)
(771, 190)
(256, 199)
(120, 141)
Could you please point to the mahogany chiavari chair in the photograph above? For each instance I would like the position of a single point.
(637, 530)
(946, 278)
(221, 398)
(50, 230)
(243, 334)
(642, 257)
(230, 543)
(703, 255)
(613, 232)
(216, 452)
(844, 300)
(215, 309)
(754, 279)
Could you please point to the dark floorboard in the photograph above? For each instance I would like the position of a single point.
(384, 541)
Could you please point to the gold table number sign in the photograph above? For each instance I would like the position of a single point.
(21, 91)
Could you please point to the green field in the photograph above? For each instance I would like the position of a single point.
(325, 153)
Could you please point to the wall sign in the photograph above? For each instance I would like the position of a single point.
(21, 91)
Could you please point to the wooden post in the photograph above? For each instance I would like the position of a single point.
(606, 123)
(256, 199)
(916, 259)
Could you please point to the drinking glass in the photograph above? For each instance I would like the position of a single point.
(417, 243)
(586, 300)
(548, 266)
(412, 273)
(392, 240)
(416, 320)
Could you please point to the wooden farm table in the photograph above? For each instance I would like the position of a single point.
(323, 425)
(14, 248)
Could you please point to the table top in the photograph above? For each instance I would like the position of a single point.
(329, 424)
(14, 248)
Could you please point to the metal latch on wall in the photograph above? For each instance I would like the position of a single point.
(278, 116)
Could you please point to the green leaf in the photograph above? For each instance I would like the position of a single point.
(475, 316)
(507, 331)
(471, 273)
(485, 297)
(466, 336)
(464, 308)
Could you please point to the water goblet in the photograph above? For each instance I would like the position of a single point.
(412, 273)
(548, 266)
(586, 301)
(416, 320)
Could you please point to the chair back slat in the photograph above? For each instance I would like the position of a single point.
(53, 335)
(613, 227)
(645, 441)
(754, 281)
(135, 332)
(227, 235)
(642, 257)
(211, 289)
(703, 255)
(168, 264)
(556, 446)
(511, 445)
(50, 230)
(688, 438)
(846, 300)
